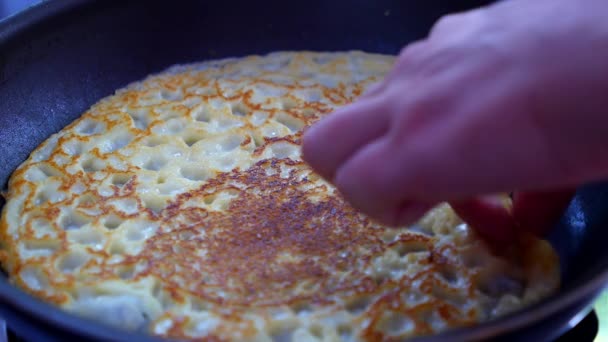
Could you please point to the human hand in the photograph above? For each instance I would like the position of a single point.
(507, 97)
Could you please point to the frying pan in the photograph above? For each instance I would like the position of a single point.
(60, 57)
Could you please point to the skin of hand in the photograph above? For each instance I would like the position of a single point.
(508, 97)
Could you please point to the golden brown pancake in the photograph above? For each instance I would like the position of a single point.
(181, 206)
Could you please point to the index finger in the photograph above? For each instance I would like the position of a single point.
(331, 141)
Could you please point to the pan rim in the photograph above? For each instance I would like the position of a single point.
(15, 24)
(22, 302)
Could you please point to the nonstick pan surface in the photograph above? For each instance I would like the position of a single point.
(61, 56)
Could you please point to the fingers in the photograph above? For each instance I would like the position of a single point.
(365, 179)
(331, 141)
(373, 90)
(472, 110)
(361, 181)
(407, 213)
(488, 216)
(497, 221)
(538, 212)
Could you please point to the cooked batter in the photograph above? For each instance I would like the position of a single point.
(181, 206)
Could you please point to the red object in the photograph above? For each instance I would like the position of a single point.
(497, 220)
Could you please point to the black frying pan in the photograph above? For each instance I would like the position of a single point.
(58, 58)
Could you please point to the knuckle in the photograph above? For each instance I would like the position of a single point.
(400, 103)
(447, 23)
(412, 50)
(410, 59)
(457, 21)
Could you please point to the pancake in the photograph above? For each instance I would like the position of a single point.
(180, 206)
